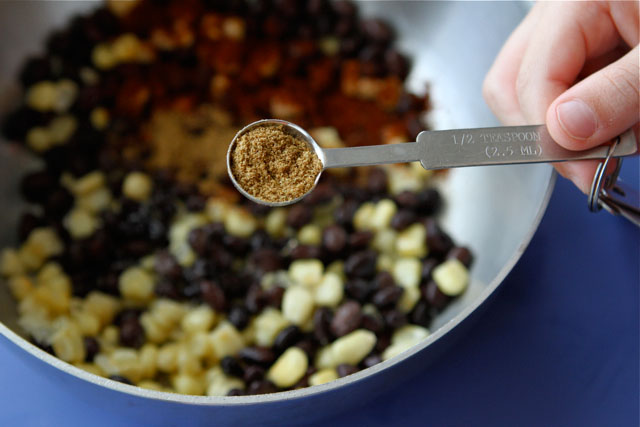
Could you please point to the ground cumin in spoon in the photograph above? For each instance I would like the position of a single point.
(273, 165)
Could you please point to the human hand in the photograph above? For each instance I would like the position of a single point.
(573, 66)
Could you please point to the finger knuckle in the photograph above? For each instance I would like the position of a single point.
(625, 81)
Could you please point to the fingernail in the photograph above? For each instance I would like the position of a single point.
(577, 119)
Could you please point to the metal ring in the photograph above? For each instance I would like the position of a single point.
(600, 181)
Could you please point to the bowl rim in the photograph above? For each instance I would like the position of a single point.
(235, 401)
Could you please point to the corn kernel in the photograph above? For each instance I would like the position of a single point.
(88, 323)
(268, 324)
(151, 385)
(226, 340)
(61, 128)
(385, 262)
(66, 92)
(67, 342)
(412, 242)
(10, 264)
(297, 305)
(363, 216)
(452, 277)
(99, 118)
(188, 362)
(330, 291)
(405, 338)
(20, 286)
(80, 223)
(167, 358)
(275, 222)
(402, 179)
(327, 137)
(88, 183)
(220, 384)
(121, 8)
(289, 368)
(307, 272)
(91, 368)
(200, 319)
(353, 347)
(233, 28)
(199, 345)
(136, 285)
(125, 48)
(102, 56)
(45, 242)
(125, 361)
(384, 211)
(240, 223)
(337, 267)
(310, 234)
(137, 186)
(409, 299)
(323, 376)
(96, 201)
(41, 96)
(102, 306)
(384, 241)
(217, 209)
(188, 384)
(407, 272)
(324, 358)
(39, 139)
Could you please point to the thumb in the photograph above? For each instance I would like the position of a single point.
(598, 108)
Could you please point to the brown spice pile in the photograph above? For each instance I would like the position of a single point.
(273, 165)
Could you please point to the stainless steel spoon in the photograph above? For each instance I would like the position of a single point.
(446, 149)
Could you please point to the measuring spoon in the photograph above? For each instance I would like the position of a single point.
(444, 149)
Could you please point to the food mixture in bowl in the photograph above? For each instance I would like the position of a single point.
(137, 260)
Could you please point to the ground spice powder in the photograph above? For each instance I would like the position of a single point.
(273, 165)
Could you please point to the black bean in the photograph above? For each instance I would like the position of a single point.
(239, 317)
(403, 218)
(108, 284)
(427, 267)
(377, 30)
(384, 279)
(360, 240)
(167, 288)
(120, 379)
(91, 348)
(231, 366)
(387, 296)
(265, 260)
(343, 370)
(343, 214)
(131, 332)
(308, 346)
(429, 201)
(260, 240)
(361, 265)
(371, 360)
(344, 8)
(236, 392)
(198, 240)
(191, 290)
(421, 314)
(286, 338)
(407, 200)
(213, 295)
(298, 216)
(195, 203)
(236, 245)
(166, 265)
(334, 238)
(253, 373)
(377, 181)
(28, 222)
(359, 289)
(273, 296)
(373, 323)
(383, 341)
(125, 315)
(434, 296)
(323, 193)
(396, 63)
(35, 187)
(438, 242)
(394, 318)
(462, 254)
(305, 252)
(220, 258)
(261, 387)
(262, 356)
(255, 299)
(346, 318)
(199, 270)
(16, 124)
(137, 248)
(58, 203)
(322, 320)
(35, 70)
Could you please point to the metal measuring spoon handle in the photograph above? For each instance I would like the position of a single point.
(474, 147)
